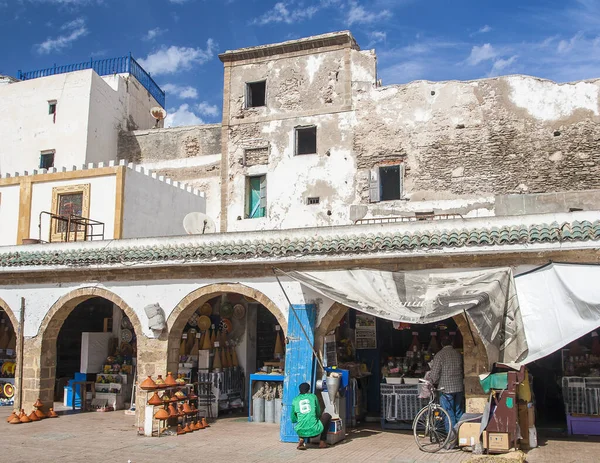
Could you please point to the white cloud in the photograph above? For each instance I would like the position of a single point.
(181, 91)
(173, 59)
(73, 30)
(502, 64)
(480, 54)
(285, 12)
(182, 116)
(567, 45)
(153, 33)
(207, 109)
(485, 29)
(357, 14)
(376, 37)
(179, 2)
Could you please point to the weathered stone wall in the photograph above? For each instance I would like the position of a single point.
(462, 140)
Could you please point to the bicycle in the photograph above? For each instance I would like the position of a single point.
(431, 426)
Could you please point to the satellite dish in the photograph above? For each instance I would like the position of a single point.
(197, 223)
(158, 113)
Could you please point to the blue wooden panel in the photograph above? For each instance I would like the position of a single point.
(299, 363)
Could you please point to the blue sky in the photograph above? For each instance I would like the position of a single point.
(178, 40)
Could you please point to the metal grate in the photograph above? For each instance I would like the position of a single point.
(315, 200)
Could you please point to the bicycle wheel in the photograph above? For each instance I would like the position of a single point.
(429, 428)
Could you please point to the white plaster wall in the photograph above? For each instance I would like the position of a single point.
(9, 214)
(26, 128)
(167, 293)
(156, 208)
(102, 203)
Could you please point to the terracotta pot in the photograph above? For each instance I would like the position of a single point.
(187, 408)
(205, 423)
(187, 428)
(25, 419)
(40, 414)
(180, 430)
(21, 413)
(155, 400)
(12, 415)
(169, 380)
(180, 411)
(38, 403)
(172, 411)
(199, 425)
(165, 397)
(15, 420)
(162, 414)
(192, 396)
(160, 382)
(52, 413)
(148, 384)
(33, 417)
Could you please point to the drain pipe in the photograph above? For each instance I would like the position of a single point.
(20, 344)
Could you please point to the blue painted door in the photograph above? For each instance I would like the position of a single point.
(299, 363)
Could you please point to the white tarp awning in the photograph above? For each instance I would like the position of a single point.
(487, 297)
(559, 304)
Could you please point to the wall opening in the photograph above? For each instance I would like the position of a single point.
(256, 197)
(390, 182)
(256, 94)
(47, 159)
(306, 140)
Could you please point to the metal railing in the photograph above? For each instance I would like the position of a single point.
(104, 67)
(418, 217)
(71, 228)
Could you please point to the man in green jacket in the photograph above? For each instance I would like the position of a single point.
(306, 413)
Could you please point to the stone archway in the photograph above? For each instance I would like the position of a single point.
(11, 315)
(18, 357)
(189, 304)
(40, 351)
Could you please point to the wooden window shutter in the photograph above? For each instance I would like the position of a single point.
(401, 180)
(263, 191)
(374, 185)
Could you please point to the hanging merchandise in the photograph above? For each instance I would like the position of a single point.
(191, 340)
(234, 358)
(226, 310)
(217, 364)
(239, 311)
(365, 333)
(213, 336)
(182, 346)
(206, 345)
(278, 345)
(433, 344)
(204, 323)
(415, 345)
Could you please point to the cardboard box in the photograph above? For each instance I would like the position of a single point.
(468, 434)
(498, 441)
(336, 431)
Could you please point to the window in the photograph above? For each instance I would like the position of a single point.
(256, 94)
(47, 159)
(311, 201)
(52, 107)
(306, 140)
(67, 201)
(386, 183)
(256, 197)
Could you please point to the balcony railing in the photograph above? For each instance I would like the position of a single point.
(104, 67)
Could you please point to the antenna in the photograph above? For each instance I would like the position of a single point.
(197, 223)
(159, 114)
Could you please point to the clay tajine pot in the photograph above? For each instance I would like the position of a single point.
(187, 408)
(15, 420)
(12, 415)
(172, 411)
(162, 414)
(52, 414)
(38, 403)
(40, 414)
(33, 416)
(180, 430)
(148, 384)
(169, 380)
(160, 382)
(205, 423)
(25, 419)
(187, 428)
(155, 400)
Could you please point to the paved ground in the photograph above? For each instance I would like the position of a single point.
(112, 437)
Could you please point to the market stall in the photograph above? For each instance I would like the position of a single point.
(8, 362)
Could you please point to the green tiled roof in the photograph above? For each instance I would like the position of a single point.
(353, 244)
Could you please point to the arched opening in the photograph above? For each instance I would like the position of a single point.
(8, 354)
(88, 351)
(380, 354)
(222, 333)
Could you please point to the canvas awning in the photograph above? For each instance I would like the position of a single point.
(559, 304)
(487, 297)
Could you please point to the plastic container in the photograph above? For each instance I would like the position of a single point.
(278, 409)
(258, 410)
(269, 411)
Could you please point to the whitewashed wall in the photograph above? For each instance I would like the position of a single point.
(102, 203)
(156, 208)
(9, 214)
(26, 128)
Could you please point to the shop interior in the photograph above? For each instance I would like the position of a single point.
(385, 360)
(225, 343)
(95, 356)
(8, 346)
(566, 386)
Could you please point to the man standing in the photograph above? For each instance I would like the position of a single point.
(447, 373)
(306, 412)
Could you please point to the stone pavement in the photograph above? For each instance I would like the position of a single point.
(111, 437)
